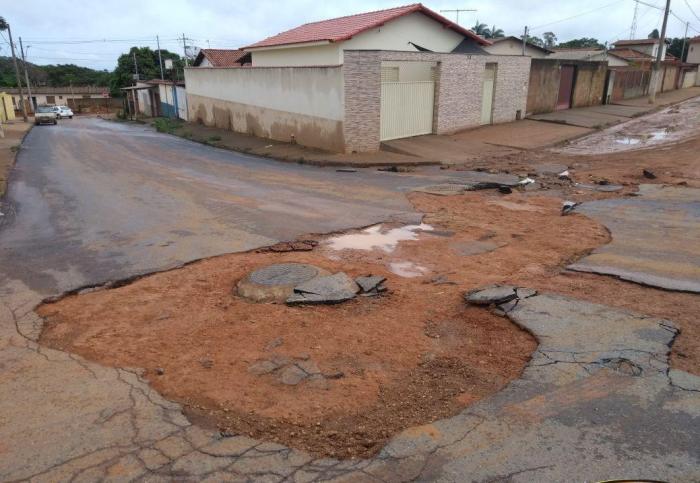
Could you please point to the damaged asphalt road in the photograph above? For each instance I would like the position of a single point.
(654, 238)
(93, 201)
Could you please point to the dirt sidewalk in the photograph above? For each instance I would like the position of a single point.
(9, 146)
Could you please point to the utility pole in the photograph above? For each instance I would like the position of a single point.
(19, 80)
(659, 55)
(685, 40)
(457, 11)
(524, 39)
(184, 49)
(136, 67)
(26, 75)
(160, 59)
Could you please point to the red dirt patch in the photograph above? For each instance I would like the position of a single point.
(409, 357)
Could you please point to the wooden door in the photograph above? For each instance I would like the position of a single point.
(566, 87)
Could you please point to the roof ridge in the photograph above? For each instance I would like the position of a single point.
(361, 13)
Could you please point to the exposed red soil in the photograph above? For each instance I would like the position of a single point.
(409, 357)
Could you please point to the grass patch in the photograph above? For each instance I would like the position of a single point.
(15, 148)
(166, 125)
(214, 139)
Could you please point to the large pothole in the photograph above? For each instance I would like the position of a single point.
(335, 380)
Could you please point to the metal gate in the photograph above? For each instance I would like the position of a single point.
(406, 109)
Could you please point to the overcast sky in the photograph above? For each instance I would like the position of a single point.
(113, 27)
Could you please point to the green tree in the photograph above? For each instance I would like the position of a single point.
(550, 40)
(583, 42)
(535, 41)
(496, 33)
(654, 34)
(677, 46)
(148, 67)
(481, 29)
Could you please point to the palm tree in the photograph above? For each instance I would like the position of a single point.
(481, 29)
(496, 33)
(3, 24)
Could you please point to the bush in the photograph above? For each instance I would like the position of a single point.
(166, 125)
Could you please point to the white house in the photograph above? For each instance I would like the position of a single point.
(351, 83)
(514, 46)
(412, 28)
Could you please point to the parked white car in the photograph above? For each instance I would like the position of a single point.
(45, 115)
(63, 111)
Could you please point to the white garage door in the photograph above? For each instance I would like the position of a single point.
(406, 109)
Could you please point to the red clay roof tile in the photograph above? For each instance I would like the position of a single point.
(344, 28)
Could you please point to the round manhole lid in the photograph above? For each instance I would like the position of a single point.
(284, 274)
(276, 282)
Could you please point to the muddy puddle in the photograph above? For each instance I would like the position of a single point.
(663, 127)
(377, 237)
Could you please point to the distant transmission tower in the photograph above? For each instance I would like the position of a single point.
(633, 28)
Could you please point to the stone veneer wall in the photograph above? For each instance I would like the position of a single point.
(458, 92)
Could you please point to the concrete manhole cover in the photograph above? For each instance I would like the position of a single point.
(276, 282)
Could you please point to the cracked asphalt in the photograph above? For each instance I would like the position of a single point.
(93, 201)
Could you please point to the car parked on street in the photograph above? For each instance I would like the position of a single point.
(63, 111)
(45, 115)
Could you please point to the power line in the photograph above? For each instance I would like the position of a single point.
(691, 10)
(576, 16)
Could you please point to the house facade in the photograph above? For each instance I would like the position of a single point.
(69, 96)
(348, 84)
(514, 46)
(589, 54)
(649, 47)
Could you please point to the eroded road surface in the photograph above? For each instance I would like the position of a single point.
(93, 201)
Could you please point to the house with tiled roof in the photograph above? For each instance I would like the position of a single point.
(221, 58)
(410, 28)
(649, 47)
(590, 54)
(353, 82)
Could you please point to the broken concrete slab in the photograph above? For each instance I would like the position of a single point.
(370, 282)
(491, 295)
(604, 188)
(292, 375)
(654, 238)
(328, 289)
(476, 180)
(443, 189)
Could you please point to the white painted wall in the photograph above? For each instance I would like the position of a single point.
(394, 35)
(205, 63)
(694, 53)
(511, 47)
(314, 55)
(314, 91)
(181, 93)
(592, 55)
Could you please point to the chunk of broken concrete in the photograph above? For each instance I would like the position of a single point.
(370, 282)
(292, 375)
(491, 295)
(567, 207)
(330, 289)
(259, 368)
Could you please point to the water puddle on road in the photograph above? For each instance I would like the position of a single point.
(653, 136)
(407, 269)
(374, 237)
